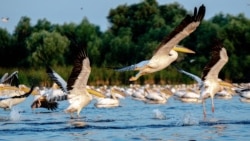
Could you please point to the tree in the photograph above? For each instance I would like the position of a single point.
(47, 47)
(5, 52)
(21, 33)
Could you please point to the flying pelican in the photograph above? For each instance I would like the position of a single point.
(75, 89)
(166, 53)
(210, 74)
(209, 83)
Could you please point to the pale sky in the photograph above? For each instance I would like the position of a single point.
(96, 11)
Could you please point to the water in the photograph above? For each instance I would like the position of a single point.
(133, 120)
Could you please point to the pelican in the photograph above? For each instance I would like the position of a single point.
(188, 95)
(244, 94)
(107, 102)
(166, 53)
(212, 83)
(154, 97)
(75, 89)
(11, 95)
(41, 100)
(209, 83)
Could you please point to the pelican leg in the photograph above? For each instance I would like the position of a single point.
(39, 103)
(212, 102)
(71, 116)
(204, 109)
(134, 78)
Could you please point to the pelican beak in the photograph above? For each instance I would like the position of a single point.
(224, 83)
(25, 89)
(8, 88)
(95, 93)
(182, 49)
(35, 92)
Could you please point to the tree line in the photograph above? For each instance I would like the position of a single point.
(134, 32)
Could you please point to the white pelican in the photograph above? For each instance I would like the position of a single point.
(108, 102)
(11, 95)
(188, 95)
(76, 92)
(211, 82)
(154, 97)
(244, 94)
(225, 93)
(166, 53)
(138, 93)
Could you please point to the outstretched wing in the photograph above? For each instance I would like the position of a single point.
(80, 72)
(218, 59)
(11, 79)
(57, 79)
(193, 76)
(133, 67)
(186, 27)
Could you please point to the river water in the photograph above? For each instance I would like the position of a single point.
(132, 120)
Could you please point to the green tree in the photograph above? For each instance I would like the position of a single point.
(19, 51)
(47, 47)
(5, 52)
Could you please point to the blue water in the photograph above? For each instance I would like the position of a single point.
(133, 120)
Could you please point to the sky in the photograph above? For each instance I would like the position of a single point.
(96, 11)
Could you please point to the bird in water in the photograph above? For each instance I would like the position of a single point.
(75, 90)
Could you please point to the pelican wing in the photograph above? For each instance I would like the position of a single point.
(80, 72)
(193, 76)
(4, 77)
(11, 79)
(186, 27)
(133, 67)
(57, 79)
(43, 103)
(218, 59)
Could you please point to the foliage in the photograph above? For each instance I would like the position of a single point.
(135, 31)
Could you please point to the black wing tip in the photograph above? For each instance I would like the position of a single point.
(201, 13)
(49, 69)
(44, 104)
(26, 94)
(217, 44)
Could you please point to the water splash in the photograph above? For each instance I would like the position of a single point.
(159, 115)
(15, 114)
(189, 119)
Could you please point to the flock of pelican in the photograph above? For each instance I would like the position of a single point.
(79, 94)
